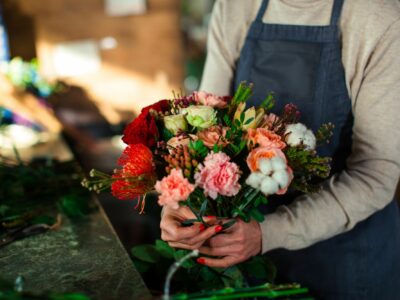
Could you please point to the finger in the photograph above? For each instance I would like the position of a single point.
(183, 246)
(222, 251)
(224, 262)
(223, 239)
(175, 233)
(204, 235)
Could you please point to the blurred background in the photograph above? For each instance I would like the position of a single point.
(84, 69)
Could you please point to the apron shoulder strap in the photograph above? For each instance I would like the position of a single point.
(336, 11)
(261, 11)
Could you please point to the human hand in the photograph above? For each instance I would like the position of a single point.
(190, 237)
(238, 243)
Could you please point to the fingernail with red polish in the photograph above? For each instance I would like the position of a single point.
(218, 228)
(202, 227)
(201, 260)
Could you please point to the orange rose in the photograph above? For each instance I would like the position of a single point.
(262, 152)
(264, 138)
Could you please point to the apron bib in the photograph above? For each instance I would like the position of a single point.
(303, 65)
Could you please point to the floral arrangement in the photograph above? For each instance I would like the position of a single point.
(216, 156)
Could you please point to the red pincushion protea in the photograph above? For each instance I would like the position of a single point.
(137, 176)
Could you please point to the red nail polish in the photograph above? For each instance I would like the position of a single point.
(201, 260)
(218, 228)
(202, 227)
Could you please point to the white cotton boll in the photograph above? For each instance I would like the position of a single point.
(282, 178)
(255, 179)
(269, 186)
(295, 134)
(294, 139)
(297, 128)
(309, 140)
(278, 163)
(265, 166)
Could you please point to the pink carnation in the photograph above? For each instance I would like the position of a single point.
(173, 188)
(218, 176)
(210, 99)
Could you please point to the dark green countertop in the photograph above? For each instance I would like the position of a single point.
(82, 256)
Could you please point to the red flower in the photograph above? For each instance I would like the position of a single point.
(143, 129)
(137, 176)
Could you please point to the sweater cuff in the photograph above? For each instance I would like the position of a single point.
(274, 232)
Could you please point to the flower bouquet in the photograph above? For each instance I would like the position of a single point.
(216, 156)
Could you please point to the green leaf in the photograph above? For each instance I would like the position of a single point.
(164, 249)
(237, 123)
(233, 277)
(248, 121)
(227, 121)
(242, 116)
(166, 134)
(147, 253)
(141, 265)
(216, 148)
(203, 208)
(256, 215)
(74, 206)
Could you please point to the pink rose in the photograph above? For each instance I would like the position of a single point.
(173, 188)
(213, 135)
(218, 176)
(210, 99)
(264, 138)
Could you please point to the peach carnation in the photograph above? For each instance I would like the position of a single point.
(213, 135)
(218, 176)
(264, 138)
(173, 188)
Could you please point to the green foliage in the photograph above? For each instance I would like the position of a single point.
(35, 193)
(74, 206)
(199, 150)
(269, 102)
(153, 262)
(324, 133)
(309, 168)
(166, 134)
(243, 93)
(8, 291)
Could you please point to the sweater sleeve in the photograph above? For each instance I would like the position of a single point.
(218, 70)
(369, 181)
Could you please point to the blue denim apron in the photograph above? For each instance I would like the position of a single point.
(303, 65)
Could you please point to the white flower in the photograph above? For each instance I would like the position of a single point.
(175, 123)
(274, 176)
(254, 180)
(269, 186)
(200, 116)
(298, 134)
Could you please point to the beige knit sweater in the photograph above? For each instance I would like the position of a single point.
(371, 57)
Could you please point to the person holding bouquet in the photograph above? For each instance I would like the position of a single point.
(339, 62)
